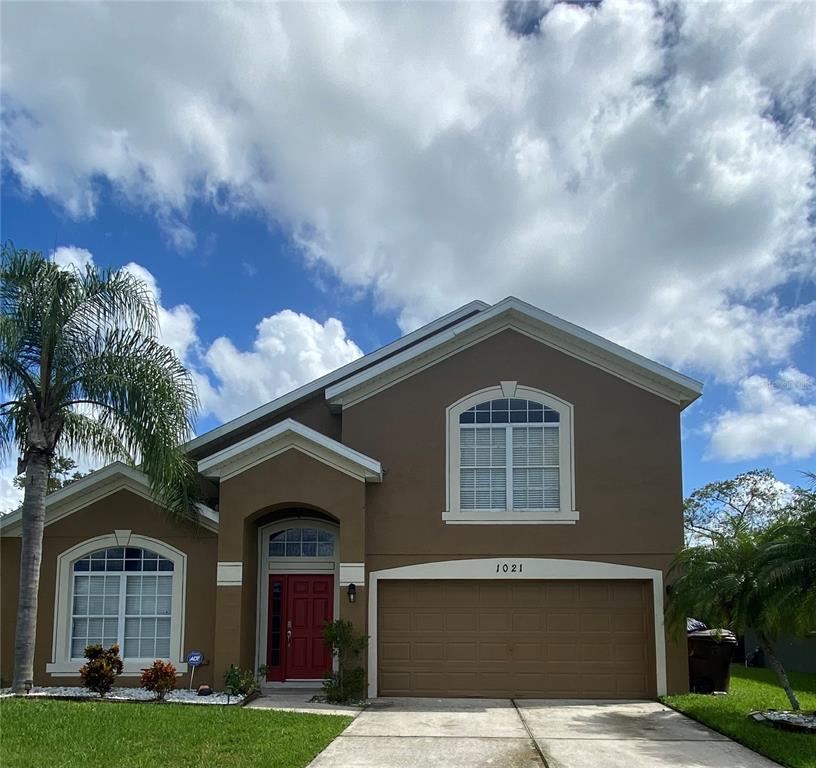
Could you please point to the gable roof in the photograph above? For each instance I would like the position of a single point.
(515, 314)
(283, 436)
(196, 445)
(94, 487)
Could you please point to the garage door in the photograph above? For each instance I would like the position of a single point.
(521, 639)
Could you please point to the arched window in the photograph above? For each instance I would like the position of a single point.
(510, 457)
(120, 588)
(302, 543)
(122, 595)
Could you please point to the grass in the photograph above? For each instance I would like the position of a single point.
(64, 734)
(756, 689)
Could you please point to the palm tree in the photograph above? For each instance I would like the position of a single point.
(723, 584)
(81, 368)
(789, 565)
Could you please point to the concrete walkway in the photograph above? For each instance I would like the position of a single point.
(500, 733)
(299, 700)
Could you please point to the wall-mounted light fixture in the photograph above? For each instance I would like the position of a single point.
(29, 684)
(352, 592)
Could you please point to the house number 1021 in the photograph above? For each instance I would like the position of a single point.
(508, 567)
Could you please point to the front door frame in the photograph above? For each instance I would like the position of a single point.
(268, 566)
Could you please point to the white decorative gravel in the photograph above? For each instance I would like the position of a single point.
(180, 696)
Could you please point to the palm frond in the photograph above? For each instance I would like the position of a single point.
(147, 399)
(82, 432)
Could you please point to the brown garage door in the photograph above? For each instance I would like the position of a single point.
(522, 639)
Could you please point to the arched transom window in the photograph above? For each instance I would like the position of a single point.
(122, 595)
(510, 457)
(302, 542)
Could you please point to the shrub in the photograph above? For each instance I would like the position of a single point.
(347, 682)
(160, 678)
(103, 666)
(239, 682)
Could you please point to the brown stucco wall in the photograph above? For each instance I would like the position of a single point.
(9, 583)
(627, 466)
(121, 510)
(289, 480)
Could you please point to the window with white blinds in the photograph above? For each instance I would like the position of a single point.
(122, 595)
(509, 456)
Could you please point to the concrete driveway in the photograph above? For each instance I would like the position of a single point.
(501, 733)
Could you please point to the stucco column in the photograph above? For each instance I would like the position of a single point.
(231, 579)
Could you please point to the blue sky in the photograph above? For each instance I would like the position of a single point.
(315, 197)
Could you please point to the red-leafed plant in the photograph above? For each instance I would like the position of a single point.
(160, 678)
(99, 673)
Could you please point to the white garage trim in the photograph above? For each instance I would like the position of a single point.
(537, 568)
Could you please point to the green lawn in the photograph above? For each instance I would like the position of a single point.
(95, 734)
(756, 689)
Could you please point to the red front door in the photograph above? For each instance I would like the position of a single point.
(299, 606)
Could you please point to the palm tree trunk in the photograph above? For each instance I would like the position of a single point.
(36, 483)
(777, 667)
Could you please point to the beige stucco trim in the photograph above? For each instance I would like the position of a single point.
(287, 435)
(566, 435)
(531, 568)
(229, 574)
(352, 573)
(61, 663)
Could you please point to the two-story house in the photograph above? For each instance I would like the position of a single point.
(493, 499)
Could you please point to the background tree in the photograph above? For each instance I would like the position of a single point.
(62, 471)
(748, 502)
(81, 368)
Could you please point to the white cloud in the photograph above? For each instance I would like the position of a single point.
(177, 325)
(290, 349)
(71, 257)
(771, 419)
(646, 171)
(10, 496)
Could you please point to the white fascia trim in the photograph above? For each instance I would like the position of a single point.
(347, 370)
(92, 488)
(281, 437)
(541, 325)
(531, 568)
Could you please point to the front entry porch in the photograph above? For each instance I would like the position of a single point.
(291, 540)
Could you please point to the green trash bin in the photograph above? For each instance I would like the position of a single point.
(710, 652)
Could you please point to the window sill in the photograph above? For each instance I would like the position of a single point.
(131, 668)
(512, 517)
